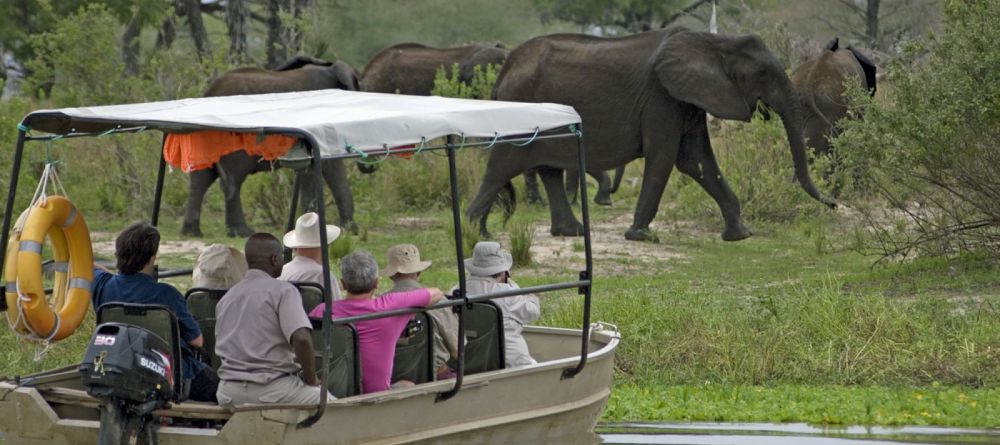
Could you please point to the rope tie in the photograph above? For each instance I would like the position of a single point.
(533, 137)
(422, 144)
(23, 127)
(573, 128)
(496, 137)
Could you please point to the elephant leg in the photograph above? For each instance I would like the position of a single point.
(236, 221)
(660, 158)
(198, 183)
(697, 160)
(336, 178)
(572, 185)
(564, 223)
(479, 208)
(603, 196)
(531, 194)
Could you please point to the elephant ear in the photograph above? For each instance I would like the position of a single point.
(833, 44)
(868, 66)
(301, 61)
(691, 68)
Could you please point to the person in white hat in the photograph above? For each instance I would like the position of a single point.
(403, 268)
(489, 272)
(307, 265)
(219, 267)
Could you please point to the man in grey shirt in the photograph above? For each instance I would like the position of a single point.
(307, 265)
(263, 337)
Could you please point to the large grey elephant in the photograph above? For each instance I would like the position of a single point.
(298, 74)
(820, 84)
(643, 95)
(409, 68)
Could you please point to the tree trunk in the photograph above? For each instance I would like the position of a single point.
(130, 46)
(276, 51)
(295, 31)
(237, 15)
(192, 8)
(166, 35)
(871, 23)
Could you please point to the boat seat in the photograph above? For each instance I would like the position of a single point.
(345, 366)
(312, 294)
(155, 318)
(484, 344)
(201, 302)
(414, 359)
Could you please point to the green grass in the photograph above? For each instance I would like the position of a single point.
(790, 325)
(824, 405)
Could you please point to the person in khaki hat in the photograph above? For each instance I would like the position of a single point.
(489, 272)
(219, 267)
(403, 268)
(307, 265)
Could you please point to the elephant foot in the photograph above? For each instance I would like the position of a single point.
(484, 234)
(351, 226)
(571, 229)
(644, 234)
(191, 230)
(603, 199)
(239, 232)
(739, 232)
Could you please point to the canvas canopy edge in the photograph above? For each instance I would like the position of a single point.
(339, 121)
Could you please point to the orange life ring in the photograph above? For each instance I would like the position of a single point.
(28, 311)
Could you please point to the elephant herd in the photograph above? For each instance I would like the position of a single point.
(644, 95)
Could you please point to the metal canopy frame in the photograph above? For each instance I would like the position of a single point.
(460, 300)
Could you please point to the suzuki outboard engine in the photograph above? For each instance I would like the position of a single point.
(131, 371)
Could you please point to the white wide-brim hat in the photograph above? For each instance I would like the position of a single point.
(219, 267)
(306, 233)
(488, 259)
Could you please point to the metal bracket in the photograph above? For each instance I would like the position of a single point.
(584, 276)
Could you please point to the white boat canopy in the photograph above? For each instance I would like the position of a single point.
(338, 120)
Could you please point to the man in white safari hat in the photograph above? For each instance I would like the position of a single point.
(307, 265)
(489, 272)
(403, 268)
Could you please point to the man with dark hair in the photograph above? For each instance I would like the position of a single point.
(263, 337)
(135, 252)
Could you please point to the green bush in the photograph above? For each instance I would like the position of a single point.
(930, 152)
(447, 83)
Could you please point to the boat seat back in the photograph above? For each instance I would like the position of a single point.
(345, 366)
(484, 344)
(157, 319)
(312, 294)
(414, 359)
(201, 302)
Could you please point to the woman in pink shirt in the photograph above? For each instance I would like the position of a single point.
(377, 338)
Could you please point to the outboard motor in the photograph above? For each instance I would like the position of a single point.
(131, 371)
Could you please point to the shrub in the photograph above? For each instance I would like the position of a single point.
(931, 152)
(447, 83)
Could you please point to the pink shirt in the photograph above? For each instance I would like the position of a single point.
(377, 338)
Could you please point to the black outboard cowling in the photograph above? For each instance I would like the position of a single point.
(130, 369)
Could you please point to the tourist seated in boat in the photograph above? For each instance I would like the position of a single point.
(403, 267)
(263, 337)
(219, 267)
(135, 253)
(377, 338)
(307, 264)
(489, 272)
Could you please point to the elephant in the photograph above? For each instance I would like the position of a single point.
(297, 74)
(643, 95)
(821, 89)
(605, 185)
(409, 68)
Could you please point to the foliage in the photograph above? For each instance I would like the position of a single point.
(448, 84)
(521, 235)
(931, 151)
(819, 405)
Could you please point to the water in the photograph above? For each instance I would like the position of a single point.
(787, 434)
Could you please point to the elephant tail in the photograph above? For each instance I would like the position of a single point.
(509, 202)
(619, 175)
(810, 101)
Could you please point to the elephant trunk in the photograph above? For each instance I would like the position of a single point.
(790, 116)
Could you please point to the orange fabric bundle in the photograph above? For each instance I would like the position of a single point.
(202, 149)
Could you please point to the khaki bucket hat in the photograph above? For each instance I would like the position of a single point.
(404, 258)
(219, 267)
(488, 259)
